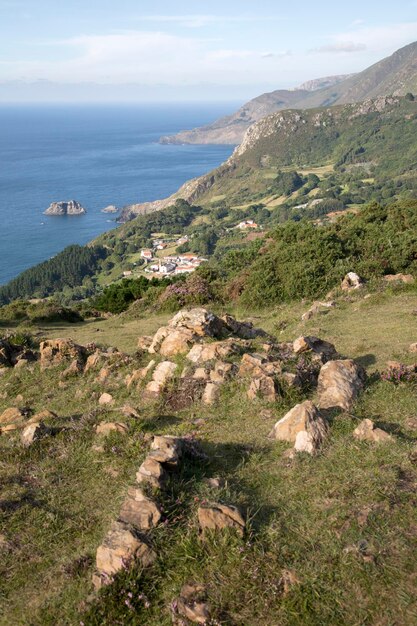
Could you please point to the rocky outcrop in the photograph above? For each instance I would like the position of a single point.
(339, 384)
(70, 207)
(54, 352)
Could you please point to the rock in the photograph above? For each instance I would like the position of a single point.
(399, 278)
(103, 375)
(22, 363)
(110, 209)
(339, 384)
(201, 322)
(211, 393)
(191, 605)
(144, 343)
(302, 425)
(9, 428)
(105, 398)
(178, 341)
(166, 449)
(157, 339)
(151, 472)
(222, 371)
(262, 387)
(73, 369)
(54, 352)
(162, 374)
(120, 547)
(215, 482)
(252, 365)
(11, 415)
(200, 374)
(324, 349)
(219, 516)
(317, 308)
(70, 207)
(33, 433)
(290, 379)
(129, 411)
(95, 360)
(366, 431)
(43, 415)
(139, 511)
(138, 375)
(244, 330)
(351, 281)
(413, 347)
(219, 350)
(105, 428)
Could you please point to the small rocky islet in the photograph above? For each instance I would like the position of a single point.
(70, 207)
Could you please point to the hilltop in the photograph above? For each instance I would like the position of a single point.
(394, 75)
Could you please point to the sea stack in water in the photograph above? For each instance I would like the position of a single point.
(110, 209)
(72, 207)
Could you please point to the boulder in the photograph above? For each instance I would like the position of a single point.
(152, 473)
(201, 374)
(55, 352)
(105, 398)
(219, 350)
(323, 349)
(218, 516)
(120, 547)
(11, 415)
(191, 605)
(399, 278)
(211, 393)
(166, 449)
(302, 425)
(351, 281)
(144, 343)
(95, 360)
(139, 510)
(33, 433)
(201, 322)
(105, 428)
(222, 371)
(252, 365)
(339, 384)
(366, 431)
(161, 375)
(263, 387)
(177, 341)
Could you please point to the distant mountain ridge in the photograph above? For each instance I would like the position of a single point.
(394, 75)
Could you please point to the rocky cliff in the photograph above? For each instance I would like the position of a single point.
(70, 207)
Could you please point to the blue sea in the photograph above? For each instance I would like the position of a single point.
(98, 155)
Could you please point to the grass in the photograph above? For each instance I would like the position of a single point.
(343, 522)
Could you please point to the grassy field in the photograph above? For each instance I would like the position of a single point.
(342, 523)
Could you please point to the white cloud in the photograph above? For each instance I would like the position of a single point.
(341, 46)
(378, 38)
(198, 21)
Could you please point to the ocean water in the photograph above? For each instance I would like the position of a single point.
(98, 155)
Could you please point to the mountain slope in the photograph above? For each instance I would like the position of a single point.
(394, 75)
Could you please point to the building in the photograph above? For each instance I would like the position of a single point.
(167, 268)
(146, 254)
(188, 257)
(185, 269)
(247, 224)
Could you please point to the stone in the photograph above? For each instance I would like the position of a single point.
(218, 516)
(215, 482)
(70, 207)
(200, 321)
(290, 379)
(218, 350)
(54, 352)
(399, 278)
(366, 431)
(166, 449)
(43, 415)
(191, 605)
(302, 425)
(351, 281)
(105, 428)
(222, 371)
(252, 365)
(244, 330)
(317, 308)
(161, 375)
(151, 472)
(11, 415)
(74, 368)
(138, 375)
(139, 510)
(129, 411)
(211, 394)
(262, 387)
(105, 398)
(103, 375)
(324, 349)
(120, 547)
(8, 428)
(157, 339)
(339, 384)
(144, 343)
(178, 341)
(33, 433)
(413, 347)
(200, 374)
(94, 361)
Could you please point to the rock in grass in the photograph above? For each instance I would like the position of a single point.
(211, 394)
(105, 398)
(339, 384)
(166, 449)
(191, 605)
(33, 433)
(302, 425)
(11, 415)
(139, 510)
(152, 473)
(351, 281)
(220, 516)
(120, 547)
(263, 387)
(366, 431)
(324, 350)
(105, 428)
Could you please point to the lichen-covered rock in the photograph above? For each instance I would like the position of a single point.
(366, 431)
(177, 341)
(138, 375)
(161, 375)
(139, 510)
(302, 425)
(221, 372)
(339, 384)
(218, 516)
(252, 365)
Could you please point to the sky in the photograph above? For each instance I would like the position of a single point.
(189, 50)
